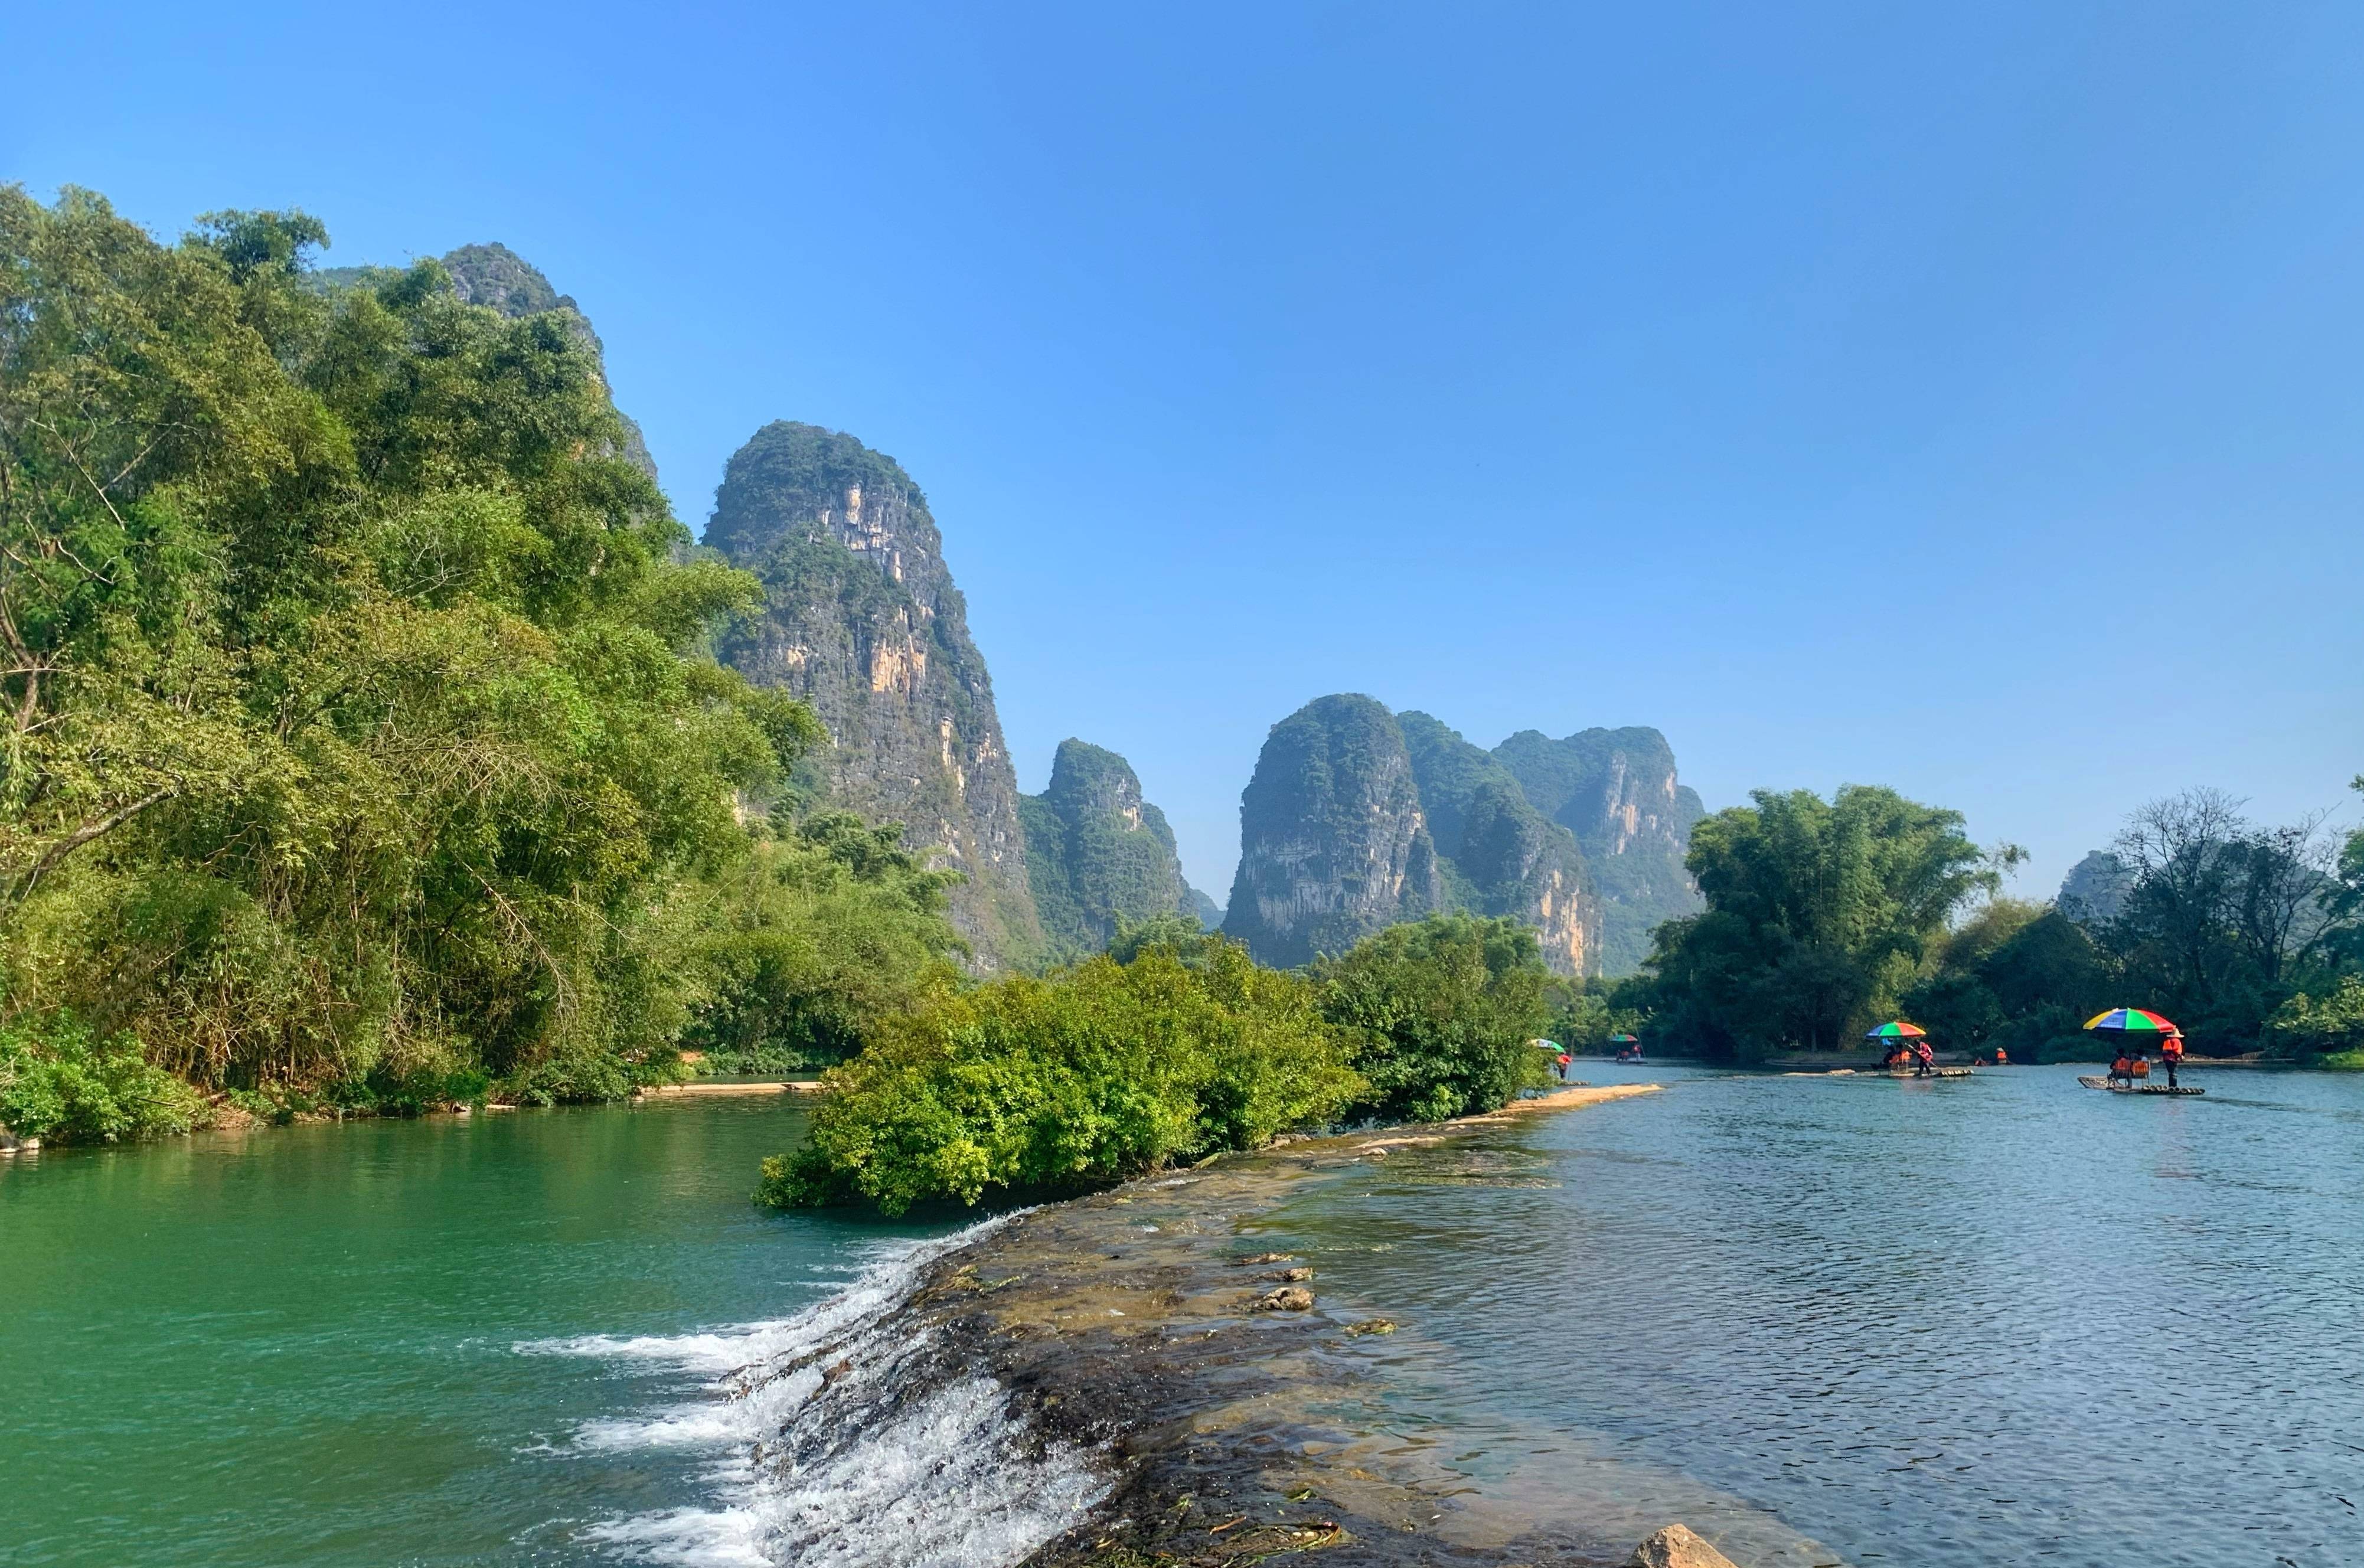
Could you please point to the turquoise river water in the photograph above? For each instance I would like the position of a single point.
(2000, 1320)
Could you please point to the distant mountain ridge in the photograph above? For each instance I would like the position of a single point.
(1617, 792)
(1357, 817)
(1098, 855)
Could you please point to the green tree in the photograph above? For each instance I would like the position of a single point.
(2224, 921)
(354, 717)
(812, 938)
(2326, 1032)
(1444, 1011)
(1821, 914)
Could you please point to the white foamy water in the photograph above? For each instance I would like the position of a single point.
(845, 1468)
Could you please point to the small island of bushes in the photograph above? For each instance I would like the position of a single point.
(1173, 1047)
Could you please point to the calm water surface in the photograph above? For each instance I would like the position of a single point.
(2001, 1321)
(478, 1339)
(1989, 1322)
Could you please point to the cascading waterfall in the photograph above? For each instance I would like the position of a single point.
(840, 1437)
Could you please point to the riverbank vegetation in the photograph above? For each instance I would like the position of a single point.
(1826, 917)
(1173, 1047)
(360, 747)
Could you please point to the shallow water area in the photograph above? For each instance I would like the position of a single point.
(501, 1338)
(2001, 1319)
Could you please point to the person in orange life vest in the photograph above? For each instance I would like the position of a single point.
(1925, 1060)
(2170, 1052)
(2002, 1057)
(2122, 1067)
(2141, 1065)
(1564, 1059)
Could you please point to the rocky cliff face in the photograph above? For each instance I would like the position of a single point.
(1616, 792)
(1499, 855)
(2094, 891)
(863, 622)
(1334, 844)
(1357, 818)
(1097, 854)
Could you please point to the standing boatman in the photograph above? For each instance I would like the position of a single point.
(2170, 1052)
(1924, 1061)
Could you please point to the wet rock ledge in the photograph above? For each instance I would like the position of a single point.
(1226, 1412)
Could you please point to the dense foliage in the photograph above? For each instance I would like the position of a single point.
(813, 939)
(1173, 1046)
(1097, 1073)
(1824, 917)
(355, 721)
(1820, 915)
(61, 1083)
(1443, 1014)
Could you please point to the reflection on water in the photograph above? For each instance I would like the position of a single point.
(1972, 1322)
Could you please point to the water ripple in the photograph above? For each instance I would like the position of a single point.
(1999, 1320)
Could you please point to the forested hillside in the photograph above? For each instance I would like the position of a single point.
(361, 742)
(1099, 858)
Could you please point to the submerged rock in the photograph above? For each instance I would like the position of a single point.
(1285, 1298)
(1677, 1547)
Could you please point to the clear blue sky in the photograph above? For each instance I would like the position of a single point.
(1963, 399)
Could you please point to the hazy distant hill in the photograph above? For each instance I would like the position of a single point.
(1097, 854)
(1357, 819)
(2095, 889)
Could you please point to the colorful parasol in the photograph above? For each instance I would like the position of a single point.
(1898, 1029)
(2131, 1020)
(1622, 1037)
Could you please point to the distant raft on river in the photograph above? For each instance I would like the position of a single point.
(2096, 1081)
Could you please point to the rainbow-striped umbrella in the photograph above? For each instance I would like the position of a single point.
(1899, 1030)
(2130, 1021)
(1623, 1039)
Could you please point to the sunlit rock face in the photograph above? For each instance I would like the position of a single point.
(1617, 792)
(862, 620)
(1334, 844)
(1098, 855)
(1501, 856)
(1357, 818)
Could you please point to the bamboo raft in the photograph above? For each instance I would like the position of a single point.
(2103, 1084)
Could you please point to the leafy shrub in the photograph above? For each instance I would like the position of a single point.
(60, 1082)
(2328, 1030)
(1099, 1072)
(574, 1077)
(1443, 1012)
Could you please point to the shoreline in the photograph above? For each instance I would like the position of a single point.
(1227, 1410)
